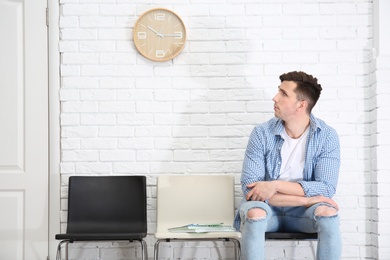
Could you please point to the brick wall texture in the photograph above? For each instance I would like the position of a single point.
(124, 114)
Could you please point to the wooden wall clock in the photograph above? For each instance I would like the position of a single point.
(159, 34)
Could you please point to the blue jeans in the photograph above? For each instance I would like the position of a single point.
(288, 219)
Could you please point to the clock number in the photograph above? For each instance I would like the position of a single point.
(159, 16)
(141, 35)
(160, 53)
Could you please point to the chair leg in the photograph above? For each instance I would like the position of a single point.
(237, 249)
(313, 248)
(144, 249)
(156, 248)
(58, 256)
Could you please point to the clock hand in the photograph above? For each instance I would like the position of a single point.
(159, 34)
(173, 34)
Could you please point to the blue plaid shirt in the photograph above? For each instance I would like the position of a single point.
(263, 160)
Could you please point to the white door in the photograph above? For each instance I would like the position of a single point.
(23, 130)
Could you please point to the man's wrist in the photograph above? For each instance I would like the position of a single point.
(306, 201)
(276, 185)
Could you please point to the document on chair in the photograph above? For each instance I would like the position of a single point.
(203, 228)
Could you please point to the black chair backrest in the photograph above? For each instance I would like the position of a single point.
(107, 204)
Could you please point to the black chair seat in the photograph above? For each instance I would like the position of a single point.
(291, 236)
(101, 236)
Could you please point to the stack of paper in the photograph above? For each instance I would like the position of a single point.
(202, 228)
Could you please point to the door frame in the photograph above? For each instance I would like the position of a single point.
(54, 126)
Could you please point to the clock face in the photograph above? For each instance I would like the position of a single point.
(159, 34)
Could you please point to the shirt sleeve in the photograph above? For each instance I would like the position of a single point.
(326, 168)
(253, 166)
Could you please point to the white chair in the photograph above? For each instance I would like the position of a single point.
(195, 199)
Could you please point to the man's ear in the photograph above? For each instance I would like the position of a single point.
(302, 105)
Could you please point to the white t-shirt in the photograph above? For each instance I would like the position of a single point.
(293, 157)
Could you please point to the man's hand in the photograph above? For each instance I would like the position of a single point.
(317, 199)
(261, 190)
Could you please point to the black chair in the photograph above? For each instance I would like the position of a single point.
(106, 208)
(290, 236)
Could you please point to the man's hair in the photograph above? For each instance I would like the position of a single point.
(307, 87)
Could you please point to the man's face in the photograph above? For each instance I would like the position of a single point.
(285, 101)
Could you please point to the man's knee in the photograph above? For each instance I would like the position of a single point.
(325, 211)
(256, 214)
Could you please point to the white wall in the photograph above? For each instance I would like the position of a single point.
(380, 128)
(123, 114)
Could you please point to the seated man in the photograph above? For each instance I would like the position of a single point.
(290, 173)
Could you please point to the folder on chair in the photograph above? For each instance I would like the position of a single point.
(202, 228)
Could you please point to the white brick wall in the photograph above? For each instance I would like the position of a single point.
(123, 114)
(381, 169)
